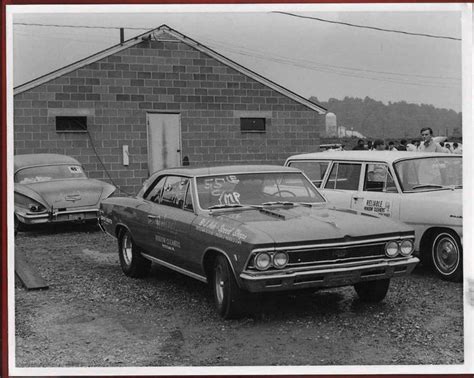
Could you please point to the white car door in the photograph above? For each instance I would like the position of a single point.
(342, 183)
(379, 193)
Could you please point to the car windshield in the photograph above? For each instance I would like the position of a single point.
(49, 173)
(236, 190)
(433, 173)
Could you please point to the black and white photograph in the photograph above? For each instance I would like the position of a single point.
(239, 189)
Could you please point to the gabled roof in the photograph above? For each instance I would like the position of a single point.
(159, 33)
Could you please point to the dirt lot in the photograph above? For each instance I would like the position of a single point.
(93, 315)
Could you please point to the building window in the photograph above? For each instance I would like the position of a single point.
(252, 125)
(71, 124)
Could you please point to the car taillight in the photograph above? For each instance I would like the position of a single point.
(36, 207)
(28, 204)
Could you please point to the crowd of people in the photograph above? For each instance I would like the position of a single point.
(426, 144)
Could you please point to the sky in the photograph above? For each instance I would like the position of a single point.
(307, 56)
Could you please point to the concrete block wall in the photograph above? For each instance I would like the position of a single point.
(116, 93)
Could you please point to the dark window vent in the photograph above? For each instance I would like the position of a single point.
(71, 124)
(252, 125)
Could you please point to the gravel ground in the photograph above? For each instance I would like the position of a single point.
(93, 315)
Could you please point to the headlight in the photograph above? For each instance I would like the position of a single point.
(280, 259)
(406, 247)
(391, 249)
(263, 261)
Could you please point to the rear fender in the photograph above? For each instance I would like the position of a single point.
(29, 193)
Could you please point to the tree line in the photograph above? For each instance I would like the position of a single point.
(375, 119)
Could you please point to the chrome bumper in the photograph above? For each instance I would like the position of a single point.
(320, 277)
(59, 216)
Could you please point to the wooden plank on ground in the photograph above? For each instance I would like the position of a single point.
(28, 276)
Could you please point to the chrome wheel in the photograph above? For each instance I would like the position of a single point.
(446, 254)
(219, 285)
(228, 297)
(131, 260)
(127, 249)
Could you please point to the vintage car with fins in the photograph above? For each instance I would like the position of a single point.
(53, 188)
(423, 190)
(254, 229)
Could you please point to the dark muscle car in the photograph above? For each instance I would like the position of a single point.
(250, 229)
(55, 188)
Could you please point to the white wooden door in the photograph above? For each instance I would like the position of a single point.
(164, 141)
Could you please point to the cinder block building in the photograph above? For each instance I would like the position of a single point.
(160, 100)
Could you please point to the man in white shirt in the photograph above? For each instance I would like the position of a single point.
(428, 144)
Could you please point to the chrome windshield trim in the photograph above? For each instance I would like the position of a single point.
(176, 268)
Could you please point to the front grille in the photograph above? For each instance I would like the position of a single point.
(314, 256)
(335, 255)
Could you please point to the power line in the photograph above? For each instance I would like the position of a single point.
(226, 46)
(311, 65)
(369, 27)
(341, 73)
(240, 48)
(80, 26)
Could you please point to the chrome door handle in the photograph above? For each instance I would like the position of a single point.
(357, 198)
(152, 216)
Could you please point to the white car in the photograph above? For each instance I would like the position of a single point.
(423, 190)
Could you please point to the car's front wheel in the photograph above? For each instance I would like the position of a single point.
(372, 291)
(227, 294)
(132, 262)
(446, 256)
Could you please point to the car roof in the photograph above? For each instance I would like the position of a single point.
(224, 169)
(32, 160)
(385, 156)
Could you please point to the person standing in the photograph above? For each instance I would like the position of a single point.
(412, 146)
(360, 145)
(403, 145)
(379, 145)
(391, 146)
(428, 144)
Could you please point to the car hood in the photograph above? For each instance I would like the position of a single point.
(67, 193)
(315, 224)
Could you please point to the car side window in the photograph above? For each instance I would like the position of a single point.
(155, 190)
(344, 176)
(174, 191)
(378, 178)
(188, 201)
(315, 170)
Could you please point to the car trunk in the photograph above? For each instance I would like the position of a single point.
(69, 194)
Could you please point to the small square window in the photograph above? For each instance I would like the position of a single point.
(252, 125)
(71, 124)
